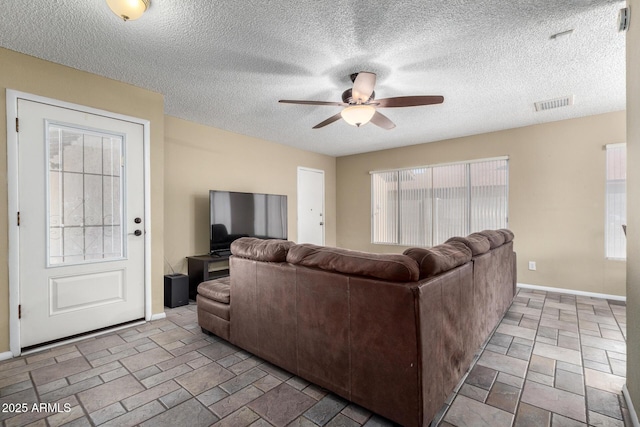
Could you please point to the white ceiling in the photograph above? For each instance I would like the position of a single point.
(226, 63)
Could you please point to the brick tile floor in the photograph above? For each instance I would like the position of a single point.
(554, 360)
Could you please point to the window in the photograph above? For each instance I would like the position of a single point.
(85, 195)
(616, 202)
(425, 206)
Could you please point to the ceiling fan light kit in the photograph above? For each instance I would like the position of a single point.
(358, 115)
(129, 10)
(361, 106)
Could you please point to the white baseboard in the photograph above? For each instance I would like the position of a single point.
(572, 291)
(632, 412)
(158, 316)
(6, 355)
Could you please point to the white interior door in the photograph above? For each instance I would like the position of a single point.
(81, 230)
(311, 206)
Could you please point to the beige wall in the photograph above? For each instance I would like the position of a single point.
(556, 196)
(38, 77)
(633, 209)
(198, 158)
(201, 158)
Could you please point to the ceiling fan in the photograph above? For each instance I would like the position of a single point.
(361, 106)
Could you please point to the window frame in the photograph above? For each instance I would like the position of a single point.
(608, 149)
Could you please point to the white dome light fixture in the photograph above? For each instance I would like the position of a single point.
(129, 10)
(358, 115)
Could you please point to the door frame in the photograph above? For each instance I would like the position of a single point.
(13, 202)
(324, 218)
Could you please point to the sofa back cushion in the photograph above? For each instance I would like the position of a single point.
(393, 267)
(440, 258)
(507, 234)
(494, 236)
(477, 243)
(272, 250)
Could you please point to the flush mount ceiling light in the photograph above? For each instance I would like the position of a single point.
(358, 115)
(129, 10)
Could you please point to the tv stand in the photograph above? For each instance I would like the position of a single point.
(221, 253)
(201, 268)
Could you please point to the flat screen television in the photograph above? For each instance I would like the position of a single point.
(233, 215)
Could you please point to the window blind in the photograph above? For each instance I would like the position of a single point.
(424, 206)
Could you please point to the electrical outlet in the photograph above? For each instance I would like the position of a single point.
(532, 265)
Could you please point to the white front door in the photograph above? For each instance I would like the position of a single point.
(310, 206)
(81, 222)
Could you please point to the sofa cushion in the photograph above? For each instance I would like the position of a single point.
(272, 250)
(440, 258)
(495, 237)
(217, 290)
(507, 234)
(393, 267)
(478, 244)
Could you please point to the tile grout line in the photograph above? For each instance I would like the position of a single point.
(624, 337)
(587, 415)
(76, 395)
(584, 372)
(481, 351)
(84, 409)
(524, 380)
(609, 358)
(37, 392)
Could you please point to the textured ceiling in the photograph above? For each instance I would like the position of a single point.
(226, 63)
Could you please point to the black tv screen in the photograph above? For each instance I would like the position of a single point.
(233, 215)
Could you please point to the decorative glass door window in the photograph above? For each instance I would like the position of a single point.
(85, 197)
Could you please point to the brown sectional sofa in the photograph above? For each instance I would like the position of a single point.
(392, 333)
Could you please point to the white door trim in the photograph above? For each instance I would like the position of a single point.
(324, 219)
(13, 205)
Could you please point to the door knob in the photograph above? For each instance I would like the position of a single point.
(322, 223)
(138, 233)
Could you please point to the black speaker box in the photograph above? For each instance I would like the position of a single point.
(176, 290)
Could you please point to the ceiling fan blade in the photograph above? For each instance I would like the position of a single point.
(383, 121)
(408, 101)
(289, 101)
(363, 86)
(328, 121)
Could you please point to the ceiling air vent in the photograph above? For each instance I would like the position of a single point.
(550, 104)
